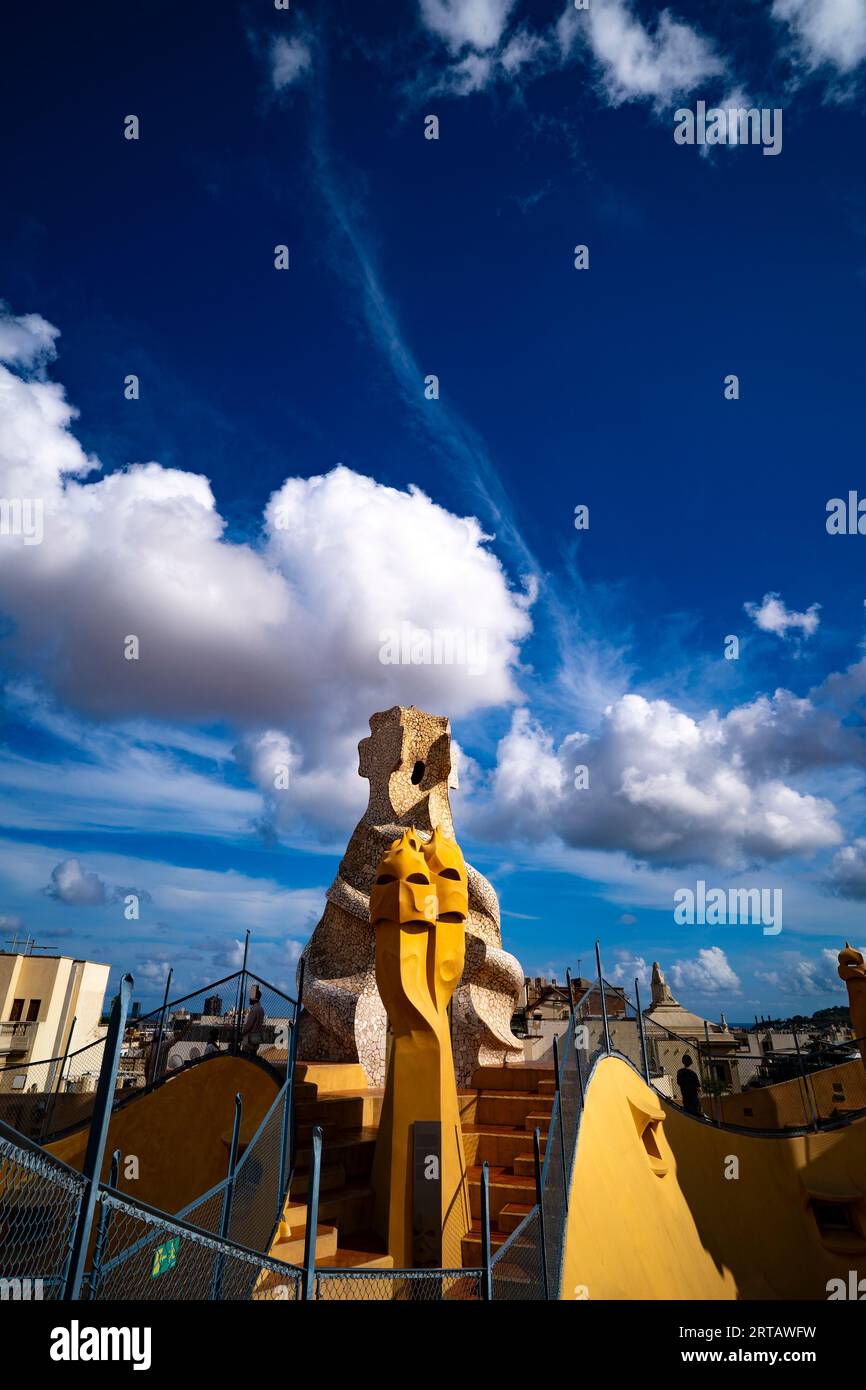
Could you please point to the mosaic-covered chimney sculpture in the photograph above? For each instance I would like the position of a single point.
(418, 910)
(407, 760)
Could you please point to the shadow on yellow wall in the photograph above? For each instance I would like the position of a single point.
(180, 1132)
(665, 1206)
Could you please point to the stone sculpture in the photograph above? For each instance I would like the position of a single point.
(407, 760)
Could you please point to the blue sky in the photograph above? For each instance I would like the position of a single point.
(282, 491)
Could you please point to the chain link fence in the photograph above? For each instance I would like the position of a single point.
(142, 1255)
(43, 1099)
(398, 1285)
(518, 1267)
(744, 1079)
(39, 1203)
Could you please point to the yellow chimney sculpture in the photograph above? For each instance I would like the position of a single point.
(419, 903)
(852, 969)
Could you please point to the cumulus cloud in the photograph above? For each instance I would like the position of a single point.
(707, 973)
(290, 60)
(248, 634)
(666, 787)
(478, 24)
(799, 974)
(75, 886)
(26, 342)
(825, 31)
(629, 968)
(635, 62)
(70, 883)
(847, 873)
(771, 615)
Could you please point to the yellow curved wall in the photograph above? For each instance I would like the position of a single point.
(630, 1232)
(662, 1220)
(761, 1225)
(181, 1132)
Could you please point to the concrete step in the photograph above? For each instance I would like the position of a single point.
(510, 1107)
(524, 1165)
(519, 1077)
(538, 1119)
(496, 1144)
(471, 1245)
(356, 1259)
(352, 1148)
(505, 1187)
(291, 1249)
(332, 1175)
(348, 1109)
(511, 1215)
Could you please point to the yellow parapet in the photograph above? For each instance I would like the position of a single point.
(418, 910)
(631, 1233)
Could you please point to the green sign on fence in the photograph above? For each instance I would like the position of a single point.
(165, 1257)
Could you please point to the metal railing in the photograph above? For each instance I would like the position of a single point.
(44, 1099)
(813, 1084)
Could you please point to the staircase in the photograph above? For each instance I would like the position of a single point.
(500, 1112)
(349, 1119)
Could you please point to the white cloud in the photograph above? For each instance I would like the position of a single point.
(825, 31)
(75, 886)
(708, 973)
(799, 974)
(478, 24)
(290, 60)
(667, 788)
(847, 873)
(25, 342)
(659, 65)
(771, 615)
(629, 968)
(250, 635)
(70, 883)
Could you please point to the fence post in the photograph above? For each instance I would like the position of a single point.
(102, 1228)
(558, 1103)
(286, 1135)
(309, 1280)
(160, 1030)
(242, 993)
(96, 1139)
(536, 1153)
(642, 1030)
(570, 995)
(228, 1197)
(487, 1276)
(603, 1000)
(807, 1099)
(55, 1089)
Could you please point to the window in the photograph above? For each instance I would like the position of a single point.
(17, 1010)
(33, 1010)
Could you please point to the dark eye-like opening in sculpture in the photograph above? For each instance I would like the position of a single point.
(417, 878)
(450, 873)
(417, 773)
(386, 878)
